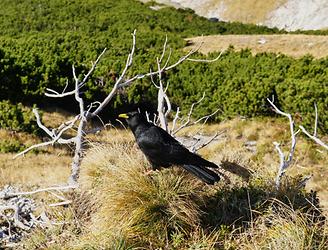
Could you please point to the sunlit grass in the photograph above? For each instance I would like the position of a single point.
(121, 206)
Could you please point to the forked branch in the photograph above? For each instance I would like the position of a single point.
(80, 121)
(284, 161)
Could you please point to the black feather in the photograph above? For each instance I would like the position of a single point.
(162, 150)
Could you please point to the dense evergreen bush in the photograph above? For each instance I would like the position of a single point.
(17, 118)
(40, 40)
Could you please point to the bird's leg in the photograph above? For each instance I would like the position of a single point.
(149, 172)
(152, 170)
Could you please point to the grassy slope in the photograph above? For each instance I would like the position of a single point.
(292, 45)
(247, 11)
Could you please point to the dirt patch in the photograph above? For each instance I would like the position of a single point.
(292, 45)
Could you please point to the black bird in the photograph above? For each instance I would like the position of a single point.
(162, 150)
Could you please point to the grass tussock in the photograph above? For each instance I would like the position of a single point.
(142, 206)
(173, 210)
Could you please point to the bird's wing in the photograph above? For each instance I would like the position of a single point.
(179, 154)
(161, 148)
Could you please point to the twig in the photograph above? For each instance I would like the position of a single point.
(63, 203)
(204, 144)
(187, 122)
(55, 94)
(316, 120)
(54, 188)
(206, 60)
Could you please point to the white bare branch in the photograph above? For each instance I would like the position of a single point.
(161, 97)
(314, 138)
(118, 83)
(284, 163)
(64, 187)
(38, 121)
(43, 144)
(206, 117)
(55, 94)
(316, 120)
(164, 69)
(187, 122)
(199, 146)
(176, 117)
(56, 138)
(206, 60)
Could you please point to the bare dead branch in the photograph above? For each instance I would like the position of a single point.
(63, 203)
(314, 138)
(43, 144)
(206, 60)
(284, 163)
(176, 117)
(55, 137)
(204, 144)
(187, 122)
(64, 187)
(161, 97)
(118, 83)
(316, 120)
(167, 68)
(55, 94)
(206, 117)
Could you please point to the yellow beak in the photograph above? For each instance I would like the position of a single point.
(125, 116)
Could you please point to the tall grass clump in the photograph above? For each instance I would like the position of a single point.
(147, 208)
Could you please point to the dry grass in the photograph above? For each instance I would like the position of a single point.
(156, 204)
(41, 167)
(34, 170)
(247, 11)
(282, 228)
(250, 11)
(120, 207)
(292, 45)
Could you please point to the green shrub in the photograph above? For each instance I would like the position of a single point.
(38, 49)
(11, 146)
(17, 118)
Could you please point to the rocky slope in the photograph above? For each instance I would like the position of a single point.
(288, 14)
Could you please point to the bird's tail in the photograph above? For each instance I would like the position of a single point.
(203, 173)
(196, 160)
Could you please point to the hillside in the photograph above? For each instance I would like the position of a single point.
(292, 45)
(283, 14)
